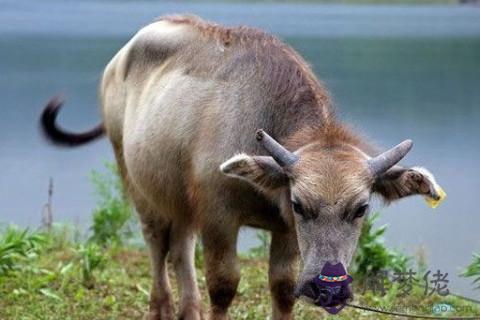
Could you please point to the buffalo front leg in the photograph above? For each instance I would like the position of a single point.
(182, 255)
(156, 234)
(283, 258)
(223, 272)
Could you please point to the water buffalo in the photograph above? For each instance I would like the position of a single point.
(183, 103)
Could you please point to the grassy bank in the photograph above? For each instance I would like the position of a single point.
(52, 285)
(56, 272)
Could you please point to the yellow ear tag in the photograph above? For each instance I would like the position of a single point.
(432, 203)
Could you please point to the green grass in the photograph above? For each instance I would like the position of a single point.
(18, 246)
(473, 271)
(112, 222)
(52, 286)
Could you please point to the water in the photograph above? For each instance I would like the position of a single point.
(394, 73)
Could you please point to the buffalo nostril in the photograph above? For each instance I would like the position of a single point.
(345, 293)
(329, 295)
(324, 296)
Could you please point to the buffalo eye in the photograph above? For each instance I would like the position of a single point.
(297, 208)
(361, 211)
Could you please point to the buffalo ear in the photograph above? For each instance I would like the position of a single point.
(399, 182)
(261, 171)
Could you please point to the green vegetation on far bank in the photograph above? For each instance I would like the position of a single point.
(473, 271)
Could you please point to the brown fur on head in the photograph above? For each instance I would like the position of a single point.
(329, 174)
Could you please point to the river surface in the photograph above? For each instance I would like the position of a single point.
(394, 72)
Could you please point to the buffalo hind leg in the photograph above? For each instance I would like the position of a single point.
(283, 258)
(182, 255)
(223, 272)
(156, 234)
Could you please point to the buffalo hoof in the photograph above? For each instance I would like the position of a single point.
(162, 313)
(191, 313)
